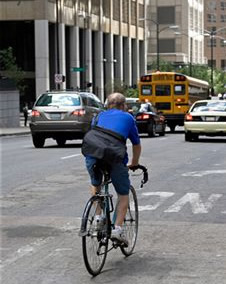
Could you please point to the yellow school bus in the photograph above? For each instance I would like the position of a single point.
(172, 94)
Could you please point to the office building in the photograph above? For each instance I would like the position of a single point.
(176, 31)
(215, 23)
(90, 42)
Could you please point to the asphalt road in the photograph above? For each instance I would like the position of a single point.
(182, 214)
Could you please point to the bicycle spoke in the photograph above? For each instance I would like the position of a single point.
(95, 242)
(130, 226)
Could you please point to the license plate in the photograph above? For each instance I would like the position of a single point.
(55, 116)
(210, 118)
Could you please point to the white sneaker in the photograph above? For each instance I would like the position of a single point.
(118, 236)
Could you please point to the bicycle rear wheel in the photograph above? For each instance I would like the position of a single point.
(94, 242)
(130, 225)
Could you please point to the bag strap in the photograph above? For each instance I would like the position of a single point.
(95, 121)
(110, 132)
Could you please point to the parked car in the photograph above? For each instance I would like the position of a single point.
(62, 115)
(148, 119)
(205, 117)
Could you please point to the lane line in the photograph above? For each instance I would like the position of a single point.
(71, 156)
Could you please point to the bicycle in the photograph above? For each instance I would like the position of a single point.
(95, 239)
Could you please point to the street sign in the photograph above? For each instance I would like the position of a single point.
(78, 69)
(59, 78)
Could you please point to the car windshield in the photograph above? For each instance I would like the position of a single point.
(209, 106)
(58, 99)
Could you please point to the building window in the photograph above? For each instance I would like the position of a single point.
(167, 45)
(68, 3)
(211, 18)
(141, 15)
(223, 42)
(116, 10)
(223, 5)
(223, 64)
(106, 8)
(223, 18)
(212, 6)
(166, 15)
(125, 11)
(212, 29)
(214, 63)
(191, 18)
(95, 7)
(83, 5)
(209, 42)
(133, 13)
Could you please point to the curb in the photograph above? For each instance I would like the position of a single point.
(14, 133)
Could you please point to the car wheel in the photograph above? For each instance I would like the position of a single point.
(191, 136)
(172, 127)
(61, 141)
(187, 136)
(152, 130)
(38, 141)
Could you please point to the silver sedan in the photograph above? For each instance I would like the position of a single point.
(205, 117)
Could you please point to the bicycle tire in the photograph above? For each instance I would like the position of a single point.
(94, 243)
(130, 225)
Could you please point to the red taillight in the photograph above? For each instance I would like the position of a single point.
(180, 100)
(188, 117)
(79, 112)
(35, 113)
(143, 116)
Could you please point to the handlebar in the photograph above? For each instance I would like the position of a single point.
(145, 173)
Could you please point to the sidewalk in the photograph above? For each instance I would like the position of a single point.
(20, 130)
(14, 131)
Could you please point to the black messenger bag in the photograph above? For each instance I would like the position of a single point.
(104, 144)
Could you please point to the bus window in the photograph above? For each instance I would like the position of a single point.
(162, 90)
(146, 90)
(179, 89)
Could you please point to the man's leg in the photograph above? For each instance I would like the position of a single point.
(123, 202)
(121, 182)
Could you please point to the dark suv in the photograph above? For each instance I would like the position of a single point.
(62, 115)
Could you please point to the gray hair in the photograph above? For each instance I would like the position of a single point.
(115, 100)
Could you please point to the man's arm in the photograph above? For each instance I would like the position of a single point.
(136, 155)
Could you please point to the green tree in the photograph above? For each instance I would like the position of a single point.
(10, 69)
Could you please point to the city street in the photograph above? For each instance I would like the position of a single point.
(182, 208)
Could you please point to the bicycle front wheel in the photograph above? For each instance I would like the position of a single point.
(95, 241)
(130, 225)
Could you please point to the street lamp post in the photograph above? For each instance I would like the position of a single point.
(212, 34)
(158, 31)
(57, 44)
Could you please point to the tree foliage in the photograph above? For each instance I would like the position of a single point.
(10, 69)
(201, 72)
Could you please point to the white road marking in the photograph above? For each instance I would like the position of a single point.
(162, 197)
(203, 173)
(197, 206)
(71, 156)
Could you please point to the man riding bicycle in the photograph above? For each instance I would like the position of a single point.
(118, 120)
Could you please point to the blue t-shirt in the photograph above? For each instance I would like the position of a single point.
(122, 123)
